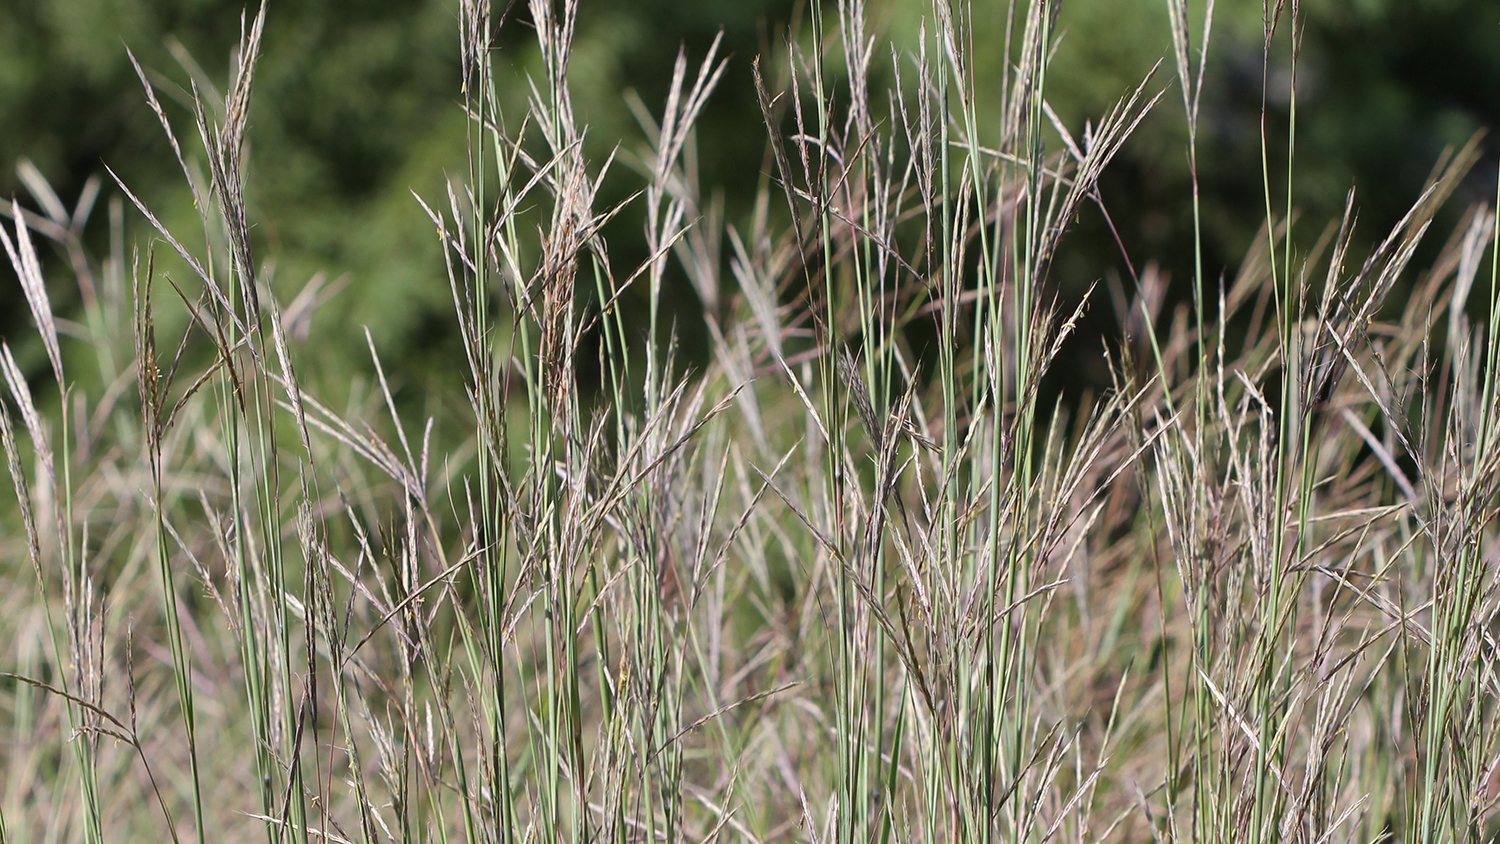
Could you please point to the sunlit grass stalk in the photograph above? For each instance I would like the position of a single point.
(1274, 610)
(863, 198)
(489, 387)
(1204, 820)
(1451, 783)
(850, 725)
(944, 765)
(152, 412)
(76, 583)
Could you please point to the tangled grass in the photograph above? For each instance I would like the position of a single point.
(852, 581)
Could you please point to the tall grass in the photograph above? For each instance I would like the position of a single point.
(851, 581)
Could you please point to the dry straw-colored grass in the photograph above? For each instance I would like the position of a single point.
(836, 585)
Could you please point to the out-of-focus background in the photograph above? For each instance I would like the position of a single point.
(356, 106)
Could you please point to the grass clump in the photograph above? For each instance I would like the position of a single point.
(854, 580)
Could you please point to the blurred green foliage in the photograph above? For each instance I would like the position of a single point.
(356, 106)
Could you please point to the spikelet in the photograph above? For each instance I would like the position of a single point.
(29, 270)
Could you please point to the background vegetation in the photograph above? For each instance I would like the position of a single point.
(357, 108)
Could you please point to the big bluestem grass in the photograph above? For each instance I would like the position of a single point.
(852, 580)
